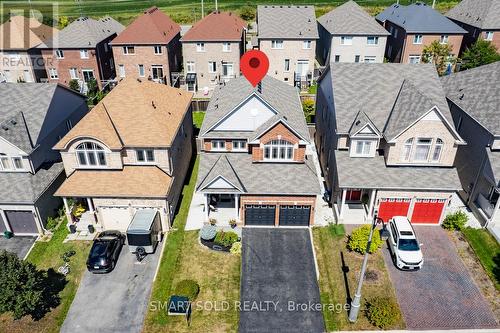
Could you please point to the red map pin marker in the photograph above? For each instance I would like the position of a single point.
(254, 65)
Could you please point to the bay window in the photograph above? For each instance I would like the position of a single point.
(278, 150)
(90, 154)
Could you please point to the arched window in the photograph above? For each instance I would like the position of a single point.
(90, 154)
(438, 147)
(278, 150)
(407, 149)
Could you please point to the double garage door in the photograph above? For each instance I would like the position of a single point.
(289, 215)
(21, 222)
(424, 210)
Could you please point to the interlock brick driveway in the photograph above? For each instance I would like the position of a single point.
(442, 295)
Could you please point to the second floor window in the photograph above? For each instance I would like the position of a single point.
(438, 147)
(372, 40)
(84, 54)
(278, 150)
(417, 39)
(443, 39)
(141, 71)
(90, 154)
(212, 67)
(145, 155)
(346, 40)
(276, 44)
(11, 163)
(190, 67)
(73, 73)
(422, 149)
(128, 50)
(239, 145)
(307, 44)
(218, 145)
(488, 35)
(59, 54)
(158, 50)
(226, 47)
(200, 47)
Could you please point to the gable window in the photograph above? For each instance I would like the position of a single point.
(212, 67)
(438, 148)
(407, 149)
(372, 40)
(346, 40)
(59, 54)
(240, 145)
(190, 67)
(278, 150)
(422, 149)
(287, 65)
(90, 154)
(53, 73)
(276, 44)
(158, 49)
(417, 39)
(443, 39)
(307, 44)
(128, 50)
(226, 47)
(362, 148)
(218, 145)
(84, 54)
(200, 47)
(145, 155)
(414, 59)
(141, 71)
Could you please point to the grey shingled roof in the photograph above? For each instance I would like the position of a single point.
(477, 92)
(85, 32)
(223, 168)
(373, 173)
(351, 19)
(265, 178)
(26, 188)
(375, 88)
(283, 97)
(483, 14)
(287, 22)
(419, 18)
(23, 108)
(492, 168)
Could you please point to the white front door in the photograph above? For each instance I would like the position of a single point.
(115, 218)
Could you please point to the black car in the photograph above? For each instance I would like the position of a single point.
(105, 251)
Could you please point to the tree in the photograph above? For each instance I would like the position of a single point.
(438, 54)
(74, 85)
(308, 108)
(63, 22)
(247, 13)
(482, 52)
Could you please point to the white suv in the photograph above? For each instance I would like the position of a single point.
(403, 243)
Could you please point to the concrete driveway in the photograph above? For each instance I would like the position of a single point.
(19, 245)
(114, 302)
(278, 282)
(442, 295)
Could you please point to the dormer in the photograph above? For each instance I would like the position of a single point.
(364, 138)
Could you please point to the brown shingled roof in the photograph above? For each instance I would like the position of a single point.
(152, 27)
(12, 33)
(217, 26)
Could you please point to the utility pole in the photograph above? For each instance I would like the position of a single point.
(202, 10)
(433, 3)
(216, 7)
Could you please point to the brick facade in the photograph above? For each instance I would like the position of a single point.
(455, 41)
(277, 200)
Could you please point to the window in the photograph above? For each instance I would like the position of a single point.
(239, 145)
(157, 72)
(141, 71)
(414, 59)
(59, 54)
(337, 58)
(90, 154)
(5, 163)
(226, 47)
(53, 73)
(200, 47)
(287, 65)
(278, 150)
(417, 39)
(307, 44)
(443, 39)
(145, 155)
(346, 40)
(27, 76)
(362, 148)
(488, 35)
(422, 149)
(158, 49)
(407, 149)
(18, 163)
(121, 68)
(356, 58)
(128, 50)
(438, 147)
(370, 59)
(276, 44)
(84, 54)
(88, 75)
(73, 73)
(218, 145)
(227, 69)
(190, 67)
(372, 40)
(212, 67)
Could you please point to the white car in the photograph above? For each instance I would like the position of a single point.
(403, 243)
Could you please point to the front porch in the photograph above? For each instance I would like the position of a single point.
(223, 207)
(354, 206)
(81, 215)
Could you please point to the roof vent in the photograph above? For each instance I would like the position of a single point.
(13, 122)
(461, 97)
(139, 80)
(357, 122)
(284, 117)
(5, 128)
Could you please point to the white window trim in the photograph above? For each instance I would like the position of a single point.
(188, 63)
(11, 161)
(73, 77)
(125, 50)
(53, 74)
(200, 47)
(210, 68)
(354, 144)
(344, 38)
(240, 149)
(224, 49)
(370, 59)
(416, 144)
(158, 53)
(87, 152)
(286, 70)
(121, 70)
(278, 44)
(280, 145)
(415, 38)
(410, 57)
(488, 35)
(443, 39)
(307, 44)
(57, 54)
(84, 54)
(375, 38)
(145, 154)
(139, 70)
(213, 144)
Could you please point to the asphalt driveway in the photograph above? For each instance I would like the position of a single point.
(442, 295)
(20, 245)
(278, 282)
(114, 302)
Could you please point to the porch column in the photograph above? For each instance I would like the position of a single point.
(342, 204)
(372, 202)
(207, 207)
(4, 219)
(237, 205)
(91, 206)
(66, 206)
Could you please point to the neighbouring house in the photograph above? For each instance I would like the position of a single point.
(414, 27)
(481, 19)
(474, 99)
(149, 48)
(349, 34)
(131, 151)
(33, 117)
(81, 52)
(21, 61)
(254, 167)
(287, 35)
(386, 142)
(211, 51)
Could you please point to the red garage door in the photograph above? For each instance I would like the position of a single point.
(427, 210)
(391, 207)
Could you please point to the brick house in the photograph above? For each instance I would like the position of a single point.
(254, 167)
(415, 26)
(211, 51)
(131, 151)
(20, 60)
(386, 141)
(288, 36)
(81, 52)
(481, 19)
(149, 48)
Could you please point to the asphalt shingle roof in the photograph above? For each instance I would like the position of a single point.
(216, 26)
(223, 168)
(419, 18)
(351, 19)
(287, 22)
(21, 33)
(483, 14)
(477, 92)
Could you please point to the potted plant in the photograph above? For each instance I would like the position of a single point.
(232, 223)
(212, 221)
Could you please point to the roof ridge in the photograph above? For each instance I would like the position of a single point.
(235, 173)
(112, 123)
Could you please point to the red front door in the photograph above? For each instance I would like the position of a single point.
(353, 195)
(427, 210)
(390, 207)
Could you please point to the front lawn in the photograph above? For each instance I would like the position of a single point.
(487, 251)
(339, 273)
(46, 255)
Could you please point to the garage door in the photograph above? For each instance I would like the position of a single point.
(115, 218)
(295, 215)
(260, 214)
(390, 207)
(21, 221)
(427, 210)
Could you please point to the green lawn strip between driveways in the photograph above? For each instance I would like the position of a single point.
(198, 117)
(487, 251)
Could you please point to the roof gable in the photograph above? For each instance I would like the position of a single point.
(216, 26)
(222, 175)
(362, 125)
(12, 33)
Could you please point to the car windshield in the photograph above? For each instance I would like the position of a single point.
(408, 244)
(98, 249)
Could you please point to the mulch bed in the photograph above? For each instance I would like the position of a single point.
(216, 247)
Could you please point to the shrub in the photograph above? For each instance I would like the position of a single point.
(208, 232)
(187, 288)
(225, 238)
(247, 13)
(236, 248)
(51, 223)
(358, 240)
(212, 221)
(455, 221)
(74, 85)
(382, 312)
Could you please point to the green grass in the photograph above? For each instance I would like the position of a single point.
(198, 117)
(313, 89)
(487, 251)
